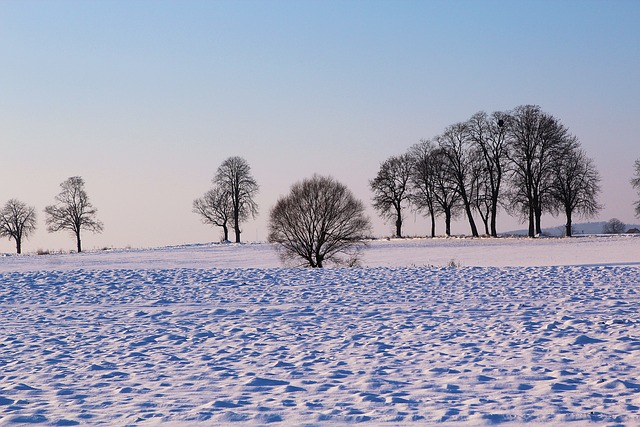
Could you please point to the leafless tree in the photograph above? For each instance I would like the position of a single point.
(614, 226)
(635, 182)
(462, 161)
(537, 140)
(423, 182)
(391, 189)
(17, 222)
(482, 198)
(446, 196)
(73, 212)
(319, 221)
(488, 134)
(575, 185)
(216, 209)
(234, 178)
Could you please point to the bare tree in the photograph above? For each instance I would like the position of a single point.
(461, 164)
(422, 182)
(234, 178)
(216, 209)
(482, 201)
(614, 226)
(446, 196)
(537, 139)
(635, 182)
(575, 186)
(391, 189)
(17, 222)
(488, 134)
(319, 221)
(73, 212)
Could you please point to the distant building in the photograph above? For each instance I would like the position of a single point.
(633, 231)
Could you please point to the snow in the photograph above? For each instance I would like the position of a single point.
(520, 332)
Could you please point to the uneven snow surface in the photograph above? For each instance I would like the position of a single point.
(104, 344)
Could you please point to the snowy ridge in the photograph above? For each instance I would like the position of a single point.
(482, 252)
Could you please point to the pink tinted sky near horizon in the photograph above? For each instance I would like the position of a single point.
(145, 99)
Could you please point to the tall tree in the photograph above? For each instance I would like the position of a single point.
(423, 181)
(537, 139)
(482, 198)
(73, 212)
(461, 162)
(17, 222)
(216, 209)
(319, 221)
(391, 189)
(446, 196)
(575, 186)
(635, 182)
(234, 178)
(488, 134)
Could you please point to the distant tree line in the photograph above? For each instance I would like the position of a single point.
(524, 160)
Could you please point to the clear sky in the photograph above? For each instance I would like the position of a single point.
(144, 99)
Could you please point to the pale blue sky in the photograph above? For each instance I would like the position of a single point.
(145, 99)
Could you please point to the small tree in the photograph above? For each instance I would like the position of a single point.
(216, 209)
(462, 166)
(488, 134)
(614, 226)
(635, 182)
(73, 212)
(391, 188)
(234, 178)
(422, 183)
(17, 222)
(575, 186)
(319, 221)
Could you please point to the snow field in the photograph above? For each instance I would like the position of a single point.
(381, 346)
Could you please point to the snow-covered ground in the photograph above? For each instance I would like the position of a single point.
(521, 332)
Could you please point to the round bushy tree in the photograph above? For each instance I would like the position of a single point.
(320, 221)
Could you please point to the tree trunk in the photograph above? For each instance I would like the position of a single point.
(236, 226)
(225, 230)
(569, 225)
(79, 244)
(433, 225)
(532, 230)
(398, 223)
(447, 222)
(472, 223)
(538, 212)
(18, 246)
(494, 215)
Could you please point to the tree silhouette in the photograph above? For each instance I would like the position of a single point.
(216, 209)
(234, 178)
(319, 221)
(17, 222)
(73, 212)
(391, 188)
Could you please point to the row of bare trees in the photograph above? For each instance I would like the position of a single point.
(525, 161)
(72, 212)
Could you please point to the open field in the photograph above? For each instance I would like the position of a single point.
(523, 332)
